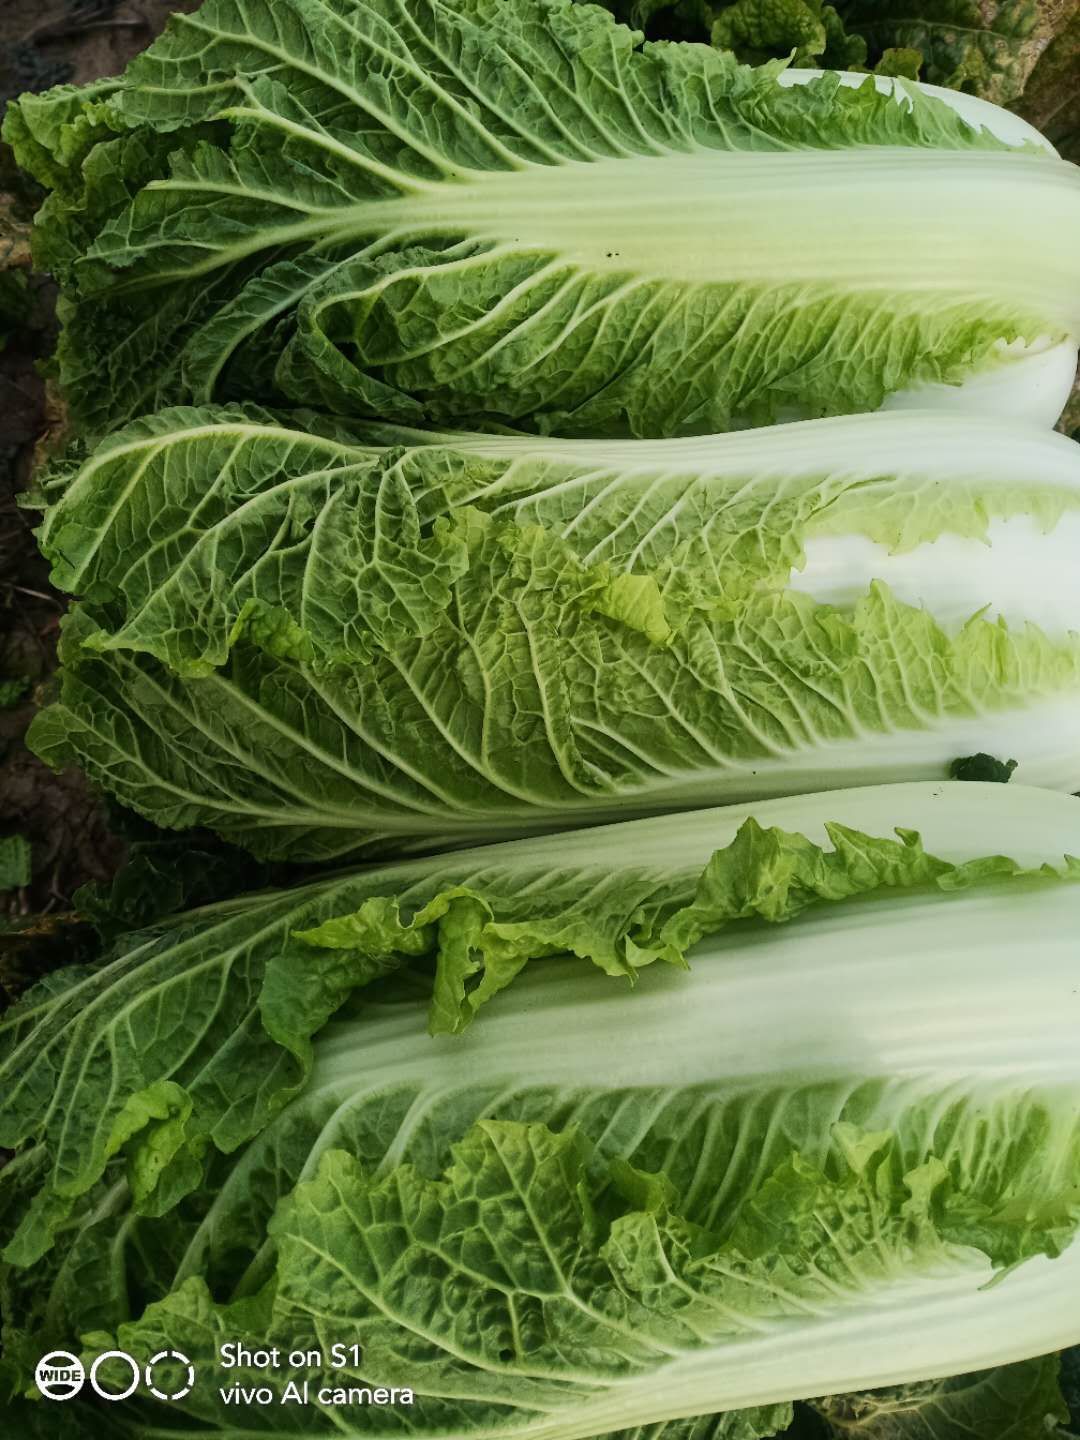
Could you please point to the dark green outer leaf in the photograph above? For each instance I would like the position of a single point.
(1014, 1402)
(1051, 99)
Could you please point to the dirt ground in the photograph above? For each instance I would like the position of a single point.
(43, 45)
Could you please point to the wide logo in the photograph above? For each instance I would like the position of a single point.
(59, 1375)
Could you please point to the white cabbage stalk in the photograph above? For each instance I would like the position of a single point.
(1035, 382)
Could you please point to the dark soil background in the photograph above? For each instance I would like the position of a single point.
(44, 44)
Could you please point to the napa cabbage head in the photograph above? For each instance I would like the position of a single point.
(328, 640)
(423, 211)
(790, 1170)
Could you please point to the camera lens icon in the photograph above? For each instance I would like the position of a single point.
(178, 1367)
(114, 1362)
(168, 1375)
(59, 1375)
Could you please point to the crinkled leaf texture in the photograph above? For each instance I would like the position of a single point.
(416, 210)
(322, 643)
(789, 1172)
(758, 30)
(982, 47)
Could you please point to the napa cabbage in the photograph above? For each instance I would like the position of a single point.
(321, 642)
(790, 1170)
(443, 213)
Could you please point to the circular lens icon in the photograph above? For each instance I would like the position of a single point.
(178, 1367)
(123, 1360)
(59, 1375)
